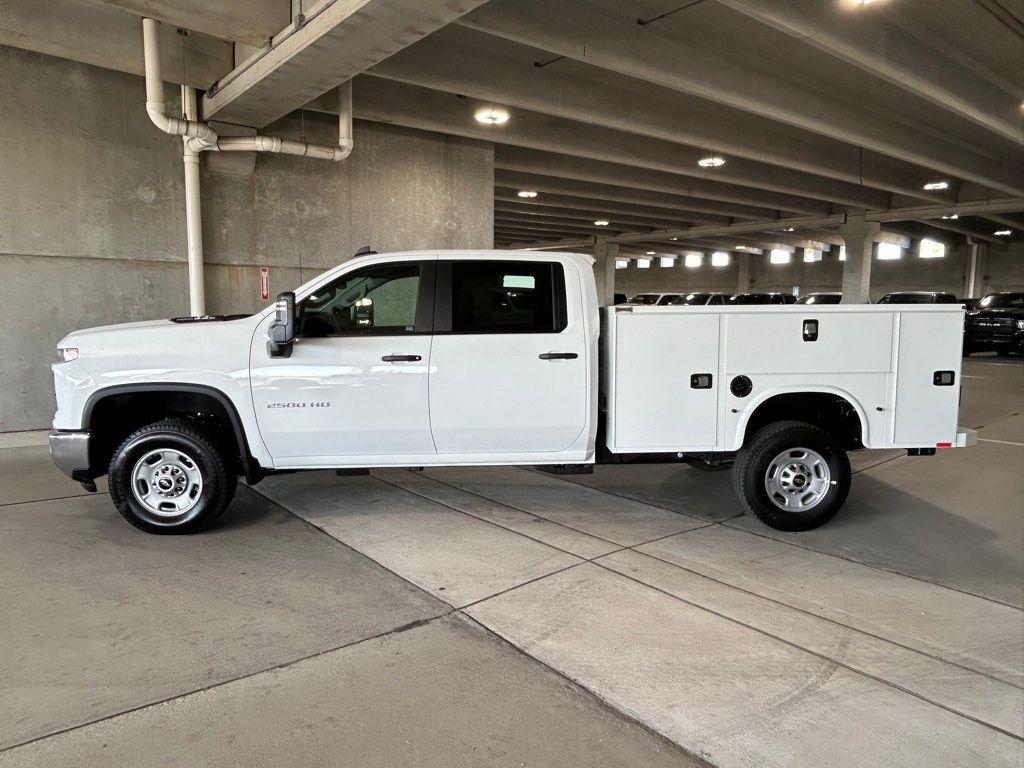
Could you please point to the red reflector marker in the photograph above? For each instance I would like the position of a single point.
(943, 445)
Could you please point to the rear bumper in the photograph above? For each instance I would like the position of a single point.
(70, 452)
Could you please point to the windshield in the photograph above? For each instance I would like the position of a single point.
(1002, 300)
(751, 298)
(645, 298)
(689, 299)
(907, 298)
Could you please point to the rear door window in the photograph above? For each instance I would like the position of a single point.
(506, 297)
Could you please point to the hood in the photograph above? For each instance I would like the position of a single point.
(100, 330)
(175, 330)
(1015, 312)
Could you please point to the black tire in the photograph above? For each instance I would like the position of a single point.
(217, 487)
(752, 465)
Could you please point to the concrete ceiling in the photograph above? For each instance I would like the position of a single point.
(819, 107)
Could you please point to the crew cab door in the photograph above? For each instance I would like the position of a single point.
(354, 390)
(509, 363)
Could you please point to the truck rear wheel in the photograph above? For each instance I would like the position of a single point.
(792, 476)
(170, 477)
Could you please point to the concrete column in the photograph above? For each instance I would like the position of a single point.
(743, 283)
(859, 237)
(976, 270)
(605, 254)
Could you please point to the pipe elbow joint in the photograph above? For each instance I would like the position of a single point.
(344, 149)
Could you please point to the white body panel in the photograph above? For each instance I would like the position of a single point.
(880, 358)
(487, 398)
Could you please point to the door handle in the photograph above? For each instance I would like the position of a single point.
(558, 356)
(401, 358)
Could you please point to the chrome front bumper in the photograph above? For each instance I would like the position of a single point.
(70, 452)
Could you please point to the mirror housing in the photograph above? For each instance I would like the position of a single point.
(282, 330)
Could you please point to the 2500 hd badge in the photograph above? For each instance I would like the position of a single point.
(311, 404)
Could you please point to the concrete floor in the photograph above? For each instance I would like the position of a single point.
(508, 617)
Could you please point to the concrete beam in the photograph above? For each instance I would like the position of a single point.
(598, 191)
(105, 36)
(663, 53)
(590, 206)
(576, 223)
(540, 213)
(248, 21)
(464, 61)
(336, 42)
(893, 46)
(391, 101)
(583, 169)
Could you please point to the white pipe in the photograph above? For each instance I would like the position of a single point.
(193, 213)
(289, 147)
(155, 106)
(199, 136)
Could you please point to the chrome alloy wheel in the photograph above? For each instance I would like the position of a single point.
(167, 482)
(797, 479)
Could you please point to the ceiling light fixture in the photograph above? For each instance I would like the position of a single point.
(526, 193)
(601, 223)
(673, 238)
(932, 186)
(491, 115)
(1002, 233)
(789, 229)
(952, 217)
(711, 162)
(740, 248)
(650, 253)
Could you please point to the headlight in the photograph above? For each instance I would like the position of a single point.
(64, 354)
(1020, 325)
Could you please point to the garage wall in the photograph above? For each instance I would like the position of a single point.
(92, 222)
(1003, 270)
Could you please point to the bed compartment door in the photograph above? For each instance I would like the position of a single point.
(666, 382)
(930, 345)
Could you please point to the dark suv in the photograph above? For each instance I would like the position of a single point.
(997, 324)
(761, 298)
(696, 299)
(918, 297)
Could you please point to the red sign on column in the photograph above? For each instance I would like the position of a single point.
(264, 283)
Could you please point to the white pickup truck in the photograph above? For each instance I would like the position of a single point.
(499, 357)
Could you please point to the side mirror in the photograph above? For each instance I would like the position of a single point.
(282, 330)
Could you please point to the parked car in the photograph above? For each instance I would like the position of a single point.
(696, 299)
(761, 298)
(918, 297)
(494, 358)
(828, 297)
(619, 298)
(997, 324)
(653, 299)
(969, 303)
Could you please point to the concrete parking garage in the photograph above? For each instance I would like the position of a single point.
(505, 615)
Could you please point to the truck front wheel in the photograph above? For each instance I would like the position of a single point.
(170, 477)
(792, 476)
